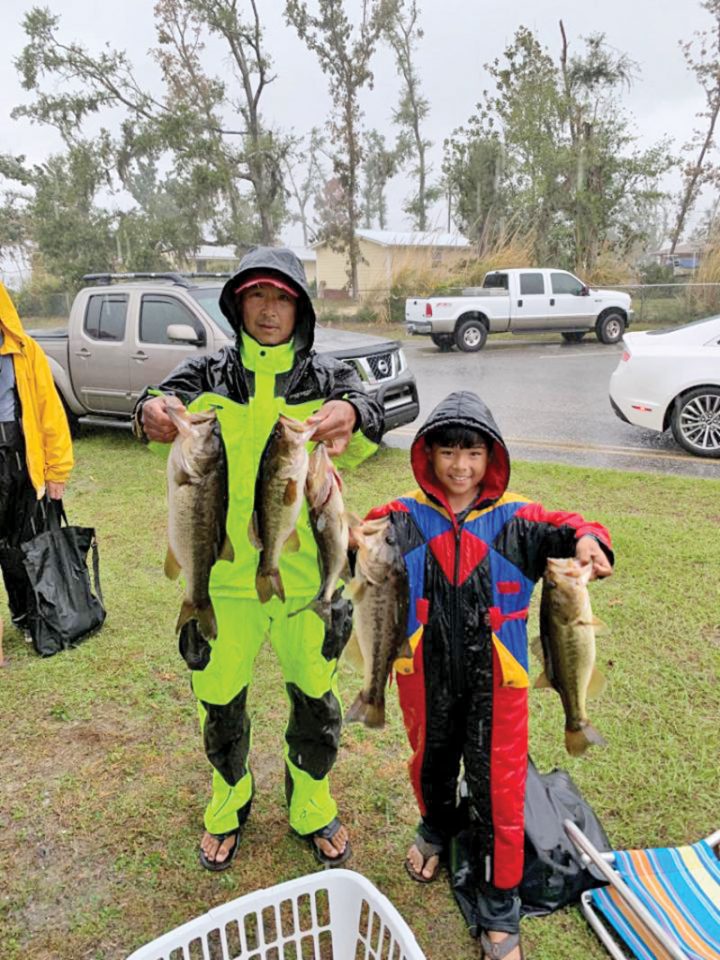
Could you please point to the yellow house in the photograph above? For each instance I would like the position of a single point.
(225, 259)
(384, 253)
(211, 258)
(309, 261)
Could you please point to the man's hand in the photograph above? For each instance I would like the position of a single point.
(55, 490)
(156, 423)
(335, 422)
(588, 550)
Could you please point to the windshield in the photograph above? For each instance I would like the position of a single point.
(209, 300)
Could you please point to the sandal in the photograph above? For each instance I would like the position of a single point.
(500, 948)
(327, 833)
(426, 851)
(214, 865)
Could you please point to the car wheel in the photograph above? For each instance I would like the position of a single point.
(471, 336)
(695, 421)
(573, 336)
(444, 341)
(610, 327)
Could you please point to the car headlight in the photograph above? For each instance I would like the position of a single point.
(402, 361)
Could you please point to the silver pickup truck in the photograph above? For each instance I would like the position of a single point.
(129, 330)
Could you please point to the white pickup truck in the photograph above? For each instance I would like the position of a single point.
(524, 300)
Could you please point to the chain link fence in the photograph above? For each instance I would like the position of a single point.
(671, 304)
(655, 305)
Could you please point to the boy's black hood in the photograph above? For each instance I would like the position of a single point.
(464, 409)
(284, 264)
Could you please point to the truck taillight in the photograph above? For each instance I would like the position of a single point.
(428, 309)
(626, 356)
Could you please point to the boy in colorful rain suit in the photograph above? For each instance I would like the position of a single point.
(272, 369)
(473, 553)
(35, 450)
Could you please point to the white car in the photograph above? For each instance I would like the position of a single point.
(671, 378)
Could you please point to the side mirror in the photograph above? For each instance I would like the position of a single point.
(585, 292)
(184, 333)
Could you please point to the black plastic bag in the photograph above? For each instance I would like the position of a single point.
(64, 609)
(553, 874)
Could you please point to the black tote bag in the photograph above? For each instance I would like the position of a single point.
(554, 875)
(65, 609)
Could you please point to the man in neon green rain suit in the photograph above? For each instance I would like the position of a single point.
(272, 369)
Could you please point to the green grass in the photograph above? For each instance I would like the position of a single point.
(103, 780)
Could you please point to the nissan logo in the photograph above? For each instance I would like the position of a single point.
(383, 367)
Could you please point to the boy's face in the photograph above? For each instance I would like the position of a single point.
(459, 470)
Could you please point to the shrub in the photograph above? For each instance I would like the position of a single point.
(367, 314)
(655, 273)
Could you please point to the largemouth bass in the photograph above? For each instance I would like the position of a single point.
(380, 597)
(323, 491)
(279, 495)
(567, 644)
(197, 506)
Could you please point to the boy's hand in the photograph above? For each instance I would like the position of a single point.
(588, 550)
(334, 422)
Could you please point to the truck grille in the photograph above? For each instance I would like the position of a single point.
(376, 367)
(382, 365)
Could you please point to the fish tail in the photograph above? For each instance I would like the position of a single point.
(577, 741)
(374, 715)
(205, 616)
(371, 714)
(321, 608)
(207, 622)
(269, 585)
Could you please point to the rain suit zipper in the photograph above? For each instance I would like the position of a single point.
(456, 645)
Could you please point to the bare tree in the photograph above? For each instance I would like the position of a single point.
(379, 166)
(705, 64)
(344, 54)
(402, 32)
(305, 185)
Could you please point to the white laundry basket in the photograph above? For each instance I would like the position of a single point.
(331, 915)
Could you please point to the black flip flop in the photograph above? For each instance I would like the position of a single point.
(327, 833)
(426, 850)
(214, 865)
(496, 950)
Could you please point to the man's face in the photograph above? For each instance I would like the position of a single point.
(268, 314)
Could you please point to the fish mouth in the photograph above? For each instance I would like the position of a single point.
(181, 420)
(298, 427)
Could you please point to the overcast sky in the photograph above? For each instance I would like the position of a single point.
(460, 37)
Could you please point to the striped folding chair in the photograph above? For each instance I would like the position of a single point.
(662, 904)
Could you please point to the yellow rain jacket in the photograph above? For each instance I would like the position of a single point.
(44, 424)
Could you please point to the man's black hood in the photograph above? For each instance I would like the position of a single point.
(283, 263)
(464, 409)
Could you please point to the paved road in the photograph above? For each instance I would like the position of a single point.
(550, 400)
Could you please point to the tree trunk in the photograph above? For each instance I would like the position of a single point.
(693, 180)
